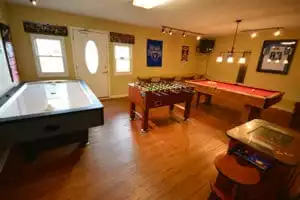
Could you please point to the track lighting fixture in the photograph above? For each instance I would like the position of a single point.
(254, 32)
(183, 33)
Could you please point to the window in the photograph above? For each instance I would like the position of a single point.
(123, 59)
(91, 56)
(50, 56)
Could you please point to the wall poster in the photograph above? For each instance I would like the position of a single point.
(185, 53)
(154, 53)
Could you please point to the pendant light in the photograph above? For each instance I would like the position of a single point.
(230, 54)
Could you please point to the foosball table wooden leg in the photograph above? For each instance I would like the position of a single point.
(187, 110)
(145, 120)
(132, 111)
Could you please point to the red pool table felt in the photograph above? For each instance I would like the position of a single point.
(236, 88)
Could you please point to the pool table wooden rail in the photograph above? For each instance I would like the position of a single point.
(253, 103)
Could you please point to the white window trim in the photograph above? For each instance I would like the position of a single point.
(115, 63)
(37, 62)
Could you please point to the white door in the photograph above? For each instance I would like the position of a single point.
(91, 59)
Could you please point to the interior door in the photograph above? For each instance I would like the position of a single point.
(91, 59)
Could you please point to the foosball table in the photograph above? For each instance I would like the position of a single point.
(148, 95)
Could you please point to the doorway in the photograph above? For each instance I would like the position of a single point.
(90, 54)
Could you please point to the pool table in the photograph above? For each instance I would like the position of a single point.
(254, 99)
(34, 112)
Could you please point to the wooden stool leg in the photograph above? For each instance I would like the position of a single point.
(198, 98)
(187, 110)
(132, 111)
(145, 120)
(171, 108)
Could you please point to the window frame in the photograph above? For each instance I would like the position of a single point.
(115, 60)
(41, 74)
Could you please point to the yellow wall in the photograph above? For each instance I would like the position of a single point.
(171, 53)
(228, 72)
(3, 12)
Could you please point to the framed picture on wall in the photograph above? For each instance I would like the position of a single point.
(154, 53)
(276, 56)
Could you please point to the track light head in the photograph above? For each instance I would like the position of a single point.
(33, 2)
(183, 34)
(163, 30)
(171, 32)
(253, 34)
(277, 33)
(199, 37)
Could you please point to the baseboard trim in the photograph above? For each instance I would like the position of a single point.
(283, 108)
(118, 96)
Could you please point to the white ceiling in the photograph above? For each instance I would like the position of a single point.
(204, 16)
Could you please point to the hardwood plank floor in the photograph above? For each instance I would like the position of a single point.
(173, 161)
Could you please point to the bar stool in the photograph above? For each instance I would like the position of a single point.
(231, 176)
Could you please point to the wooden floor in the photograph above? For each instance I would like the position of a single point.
(173, 161)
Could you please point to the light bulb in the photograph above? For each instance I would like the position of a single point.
(33, 2)
(277, 33)
(242, 60)
(170, 32)
(230, 59)
(285, 62)
(253, 35)
(199, 37)
(269, 60)
(277, 61)
(219, 59)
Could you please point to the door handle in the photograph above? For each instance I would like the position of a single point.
(105, 72)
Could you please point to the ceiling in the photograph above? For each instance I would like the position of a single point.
(204, 16)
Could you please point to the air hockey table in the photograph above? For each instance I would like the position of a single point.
(36, 111)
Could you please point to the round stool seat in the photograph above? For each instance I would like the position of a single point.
(244, 175)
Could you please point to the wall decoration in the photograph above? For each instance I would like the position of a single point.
(46, 29)
(9, 52)
(154, 53)
(185, 53)
(122, 38)
(276, 56)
